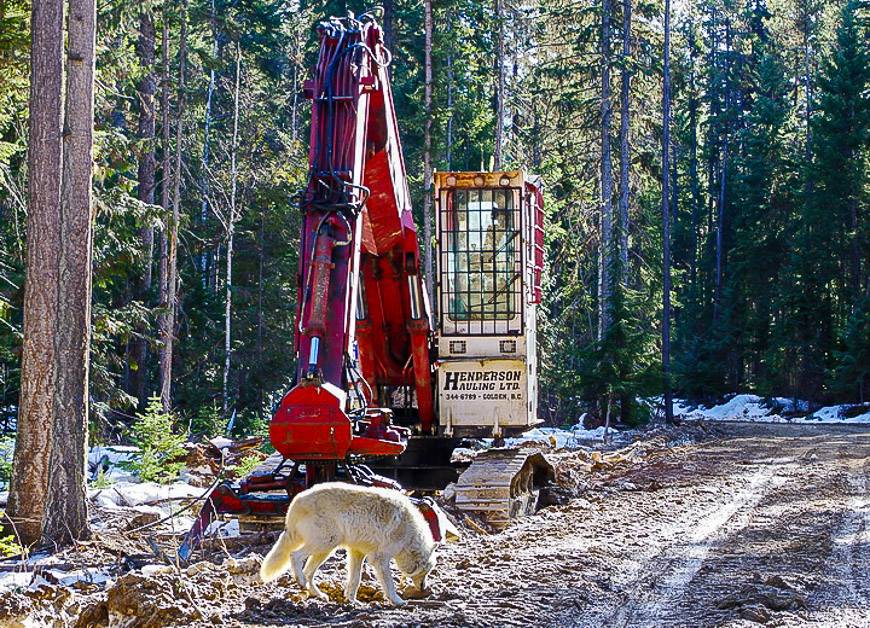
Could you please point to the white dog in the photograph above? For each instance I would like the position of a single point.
(375, 523)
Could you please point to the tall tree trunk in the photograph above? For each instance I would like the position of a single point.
(427, 153)
(624, 142)
(231, 231)
(450, 79)
(855, 257)
(170, 281)
(66, 515)
(261, 243)
(693, 175)
(808, 84)
(605, 257)
(165, 351)
(145, 49)
(294, 112)
(28, 491)
(389, 25)
(723, 179)
(206, 146)
(666, 218)
(499, 85)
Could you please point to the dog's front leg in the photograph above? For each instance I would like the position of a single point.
(381, 565)
(354, 574)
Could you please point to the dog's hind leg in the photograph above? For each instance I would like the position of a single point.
(381, 565)
(298, 561)
(354, 574)
(311, 566)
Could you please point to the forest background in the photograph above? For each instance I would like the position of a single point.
(201, 144)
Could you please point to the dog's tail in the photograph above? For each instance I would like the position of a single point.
(278, 559)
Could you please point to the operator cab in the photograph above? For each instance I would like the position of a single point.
(490, 258)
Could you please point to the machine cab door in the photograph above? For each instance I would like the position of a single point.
(487, 225)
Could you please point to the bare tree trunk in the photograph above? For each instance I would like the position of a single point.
(808, 84)
(450, 79)
(693, 172)
(147, 174)
(231, 230)
(605, 265)
(66, 515)
(666, 217)
(723, 178)
(625, 141)
(294, 113)
(500, 84)
(261, 243)
(28, 492)
(206, 146)
(170, 283)
(427, 154)
(389, 25)
(166, 180)
(675, 189)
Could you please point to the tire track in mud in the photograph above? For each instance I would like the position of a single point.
(844, 598)
(668, 574)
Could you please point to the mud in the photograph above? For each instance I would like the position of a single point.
(754, 525)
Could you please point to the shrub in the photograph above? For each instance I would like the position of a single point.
(8, 545)
(160, 446)
(247, 465)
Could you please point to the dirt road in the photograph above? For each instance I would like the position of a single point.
(766, 524)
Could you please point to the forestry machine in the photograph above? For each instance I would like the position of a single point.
(383, 395)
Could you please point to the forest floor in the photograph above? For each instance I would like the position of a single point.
(737, 524)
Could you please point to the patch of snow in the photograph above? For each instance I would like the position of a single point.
(740, 408)
(573, 437)
(552, 436)
(581, 434)
(14, 580)
(462, 453)
(139, 493)
(110, 458)
(753, 408)
(224, 529)
(220, 442)
(837, 414)
(89, 576)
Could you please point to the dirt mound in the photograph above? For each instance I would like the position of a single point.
(757, 601)
(166, 596)
(45, 605)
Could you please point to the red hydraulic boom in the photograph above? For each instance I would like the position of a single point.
(363, 319)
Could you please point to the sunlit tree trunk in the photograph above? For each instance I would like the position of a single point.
(427, 152)
(605, 257)
(625, 141)
(206, 147)
(499, 84)
(66, 514)
(169, 262)
(666, 219)
(231, 231)
(28, 491)
(47, 499)
(145, 49)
